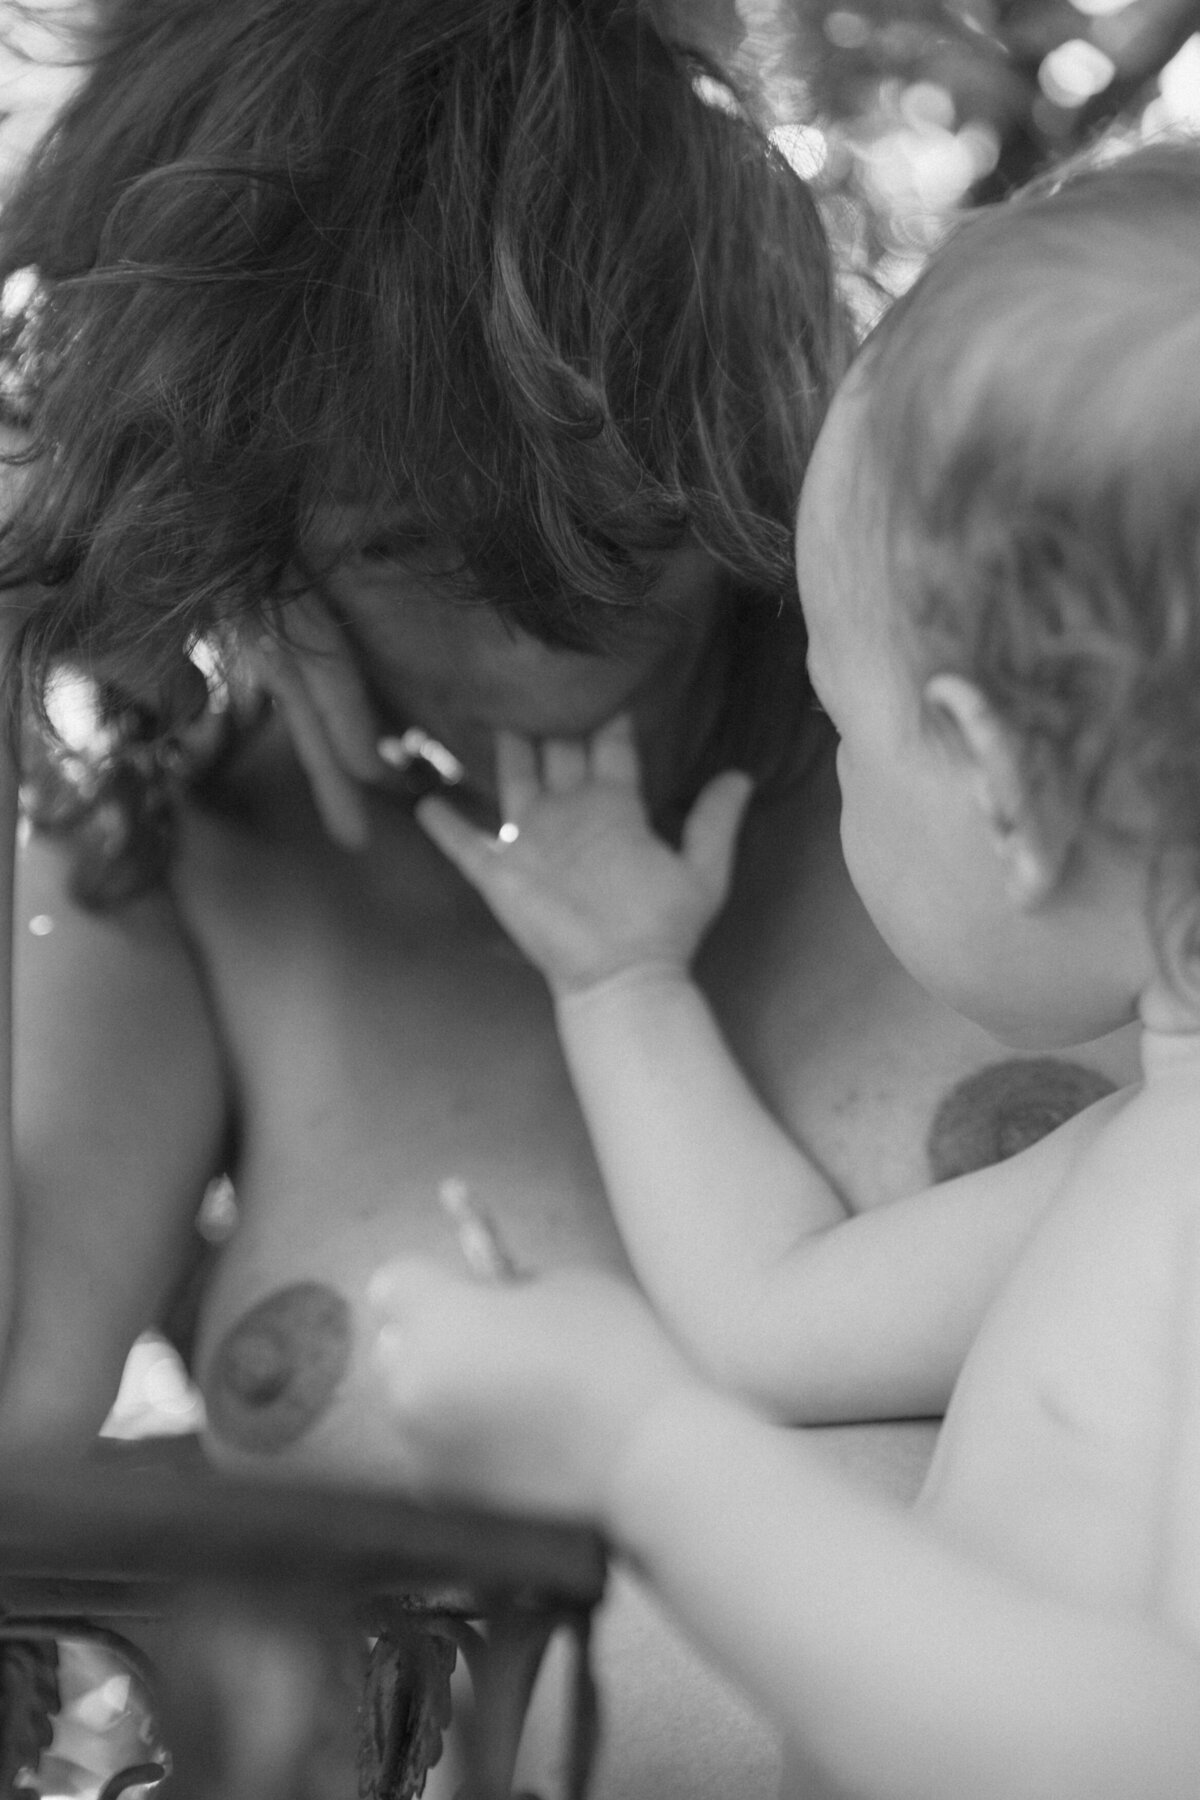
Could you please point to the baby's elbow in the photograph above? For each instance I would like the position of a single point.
(739, 1364)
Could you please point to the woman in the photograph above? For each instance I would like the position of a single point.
(480, 324)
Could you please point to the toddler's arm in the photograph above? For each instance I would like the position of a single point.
(898, 1663)
(737, 1236)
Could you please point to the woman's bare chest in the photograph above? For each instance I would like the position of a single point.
(385, 1036)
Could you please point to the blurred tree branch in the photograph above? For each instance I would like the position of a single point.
(903, 111)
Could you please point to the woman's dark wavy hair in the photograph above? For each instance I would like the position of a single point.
(1033, 416)
(496, 263)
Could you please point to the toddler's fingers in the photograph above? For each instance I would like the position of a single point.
(710, 833)
(517, 779)
(615, 754)
(472, 852)
(564, 764)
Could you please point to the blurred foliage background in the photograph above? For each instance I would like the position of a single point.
(900, 111)
(905, 111)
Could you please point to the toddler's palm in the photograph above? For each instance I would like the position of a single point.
(585, 887)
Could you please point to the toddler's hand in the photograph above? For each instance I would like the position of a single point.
(316, 686)
(525, 1396)
(577, 876)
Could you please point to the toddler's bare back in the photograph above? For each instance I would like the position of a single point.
(1058, 1459)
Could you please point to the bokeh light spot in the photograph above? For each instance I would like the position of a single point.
(1075, 72)
(805, 147)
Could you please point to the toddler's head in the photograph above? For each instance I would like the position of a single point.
(1008, 493)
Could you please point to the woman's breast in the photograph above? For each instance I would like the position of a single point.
(384, 1041)
(886, 1087)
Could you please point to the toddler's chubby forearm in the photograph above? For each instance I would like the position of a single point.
(711, 1195)
(901, 1663)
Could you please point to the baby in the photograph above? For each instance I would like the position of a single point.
(999, 559)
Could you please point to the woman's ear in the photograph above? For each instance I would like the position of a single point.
(1030, 829)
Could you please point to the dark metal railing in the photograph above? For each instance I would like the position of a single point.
(311, 1631)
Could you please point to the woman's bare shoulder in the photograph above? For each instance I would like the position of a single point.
(115, 995)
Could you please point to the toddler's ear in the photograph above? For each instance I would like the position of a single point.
(1031, 831)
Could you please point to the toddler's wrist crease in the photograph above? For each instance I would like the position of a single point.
(658, 972)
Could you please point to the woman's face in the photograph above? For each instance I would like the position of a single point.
(461, 671)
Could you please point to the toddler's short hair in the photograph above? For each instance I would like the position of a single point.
(1033, 407)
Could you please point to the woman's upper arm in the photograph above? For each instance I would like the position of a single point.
(120, 1119)
(113, 1035)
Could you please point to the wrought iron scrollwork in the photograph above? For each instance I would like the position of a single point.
(312, 1632)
